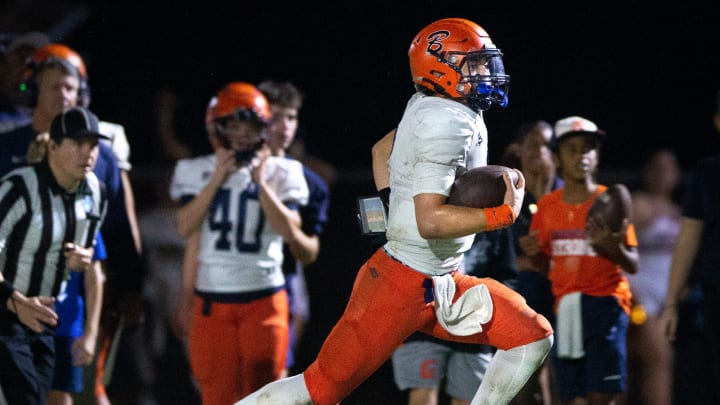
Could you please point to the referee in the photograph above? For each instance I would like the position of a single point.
(49, 216)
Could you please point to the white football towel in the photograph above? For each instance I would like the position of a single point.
(466, 315)
(569, 327)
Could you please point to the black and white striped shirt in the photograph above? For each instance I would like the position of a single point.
(37, 217)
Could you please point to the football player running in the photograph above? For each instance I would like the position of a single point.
(238, 205)
(412, 282)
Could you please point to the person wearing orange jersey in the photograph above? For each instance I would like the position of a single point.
(585, 261)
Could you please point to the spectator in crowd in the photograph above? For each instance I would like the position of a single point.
(168, 375)
(586, 261)
(303, 247)
(534, 158)
(15, 50)
(656, 217)
(695, 260)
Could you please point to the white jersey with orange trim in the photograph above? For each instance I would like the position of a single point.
(239, 250)
(435, 137)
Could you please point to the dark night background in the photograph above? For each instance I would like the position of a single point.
(647, 74)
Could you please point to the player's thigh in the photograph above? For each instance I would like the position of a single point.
(263, 331)
(513, 322)
(212, 340)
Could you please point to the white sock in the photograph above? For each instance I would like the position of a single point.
(509, 370)
(286, 391)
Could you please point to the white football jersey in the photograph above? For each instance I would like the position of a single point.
(118, 143)
(435, 137)
(239, 250)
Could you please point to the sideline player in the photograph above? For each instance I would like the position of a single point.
(238, 206)
(303, 248)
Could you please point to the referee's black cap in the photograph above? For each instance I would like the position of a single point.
(75, 123)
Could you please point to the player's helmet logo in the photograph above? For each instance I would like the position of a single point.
(435, 41)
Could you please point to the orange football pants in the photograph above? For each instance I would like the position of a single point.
(238, 347)
(386, 305)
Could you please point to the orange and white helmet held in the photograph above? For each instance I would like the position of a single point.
(455, 58)
(240, 101)
(58, 55)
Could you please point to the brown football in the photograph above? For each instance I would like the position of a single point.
(612, 206)
(481, 187)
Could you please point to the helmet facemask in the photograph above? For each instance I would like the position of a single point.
(483, 71)
(225, 125)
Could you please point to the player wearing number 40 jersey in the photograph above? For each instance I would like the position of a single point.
(238, 205)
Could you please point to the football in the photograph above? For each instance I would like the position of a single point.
(481, 187)
(612, 206)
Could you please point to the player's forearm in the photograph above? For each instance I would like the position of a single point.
(190, 263)
(191, 215)
(282, 219)
(684, 252)
(437, 220)
(380, 155)
(304, 247)
(450, 221)
(130, 208)
(94, 282)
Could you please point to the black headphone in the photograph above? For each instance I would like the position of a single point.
(29, 87)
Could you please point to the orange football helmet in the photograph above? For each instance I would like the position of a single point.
(241, 101)
(456, 58)
(55, 53)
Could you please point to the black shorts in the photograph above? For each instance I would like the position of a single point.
(27, 359)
